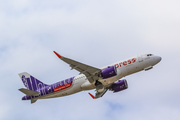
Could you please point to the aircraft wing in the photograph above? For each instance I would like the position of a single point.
(90, 72)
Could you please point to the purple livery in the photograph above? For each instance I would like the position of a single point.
(33, 84)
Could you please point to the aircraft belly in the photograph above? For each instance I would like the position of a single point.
(108, 81)
(130, 69)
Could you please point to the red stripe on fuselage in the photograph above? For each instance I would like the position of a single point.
(62, 87)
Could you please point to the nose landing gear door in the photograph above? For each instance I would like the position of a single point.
(140, 58)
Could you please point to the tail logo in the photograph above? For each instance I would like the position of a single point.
(32, 83)
(25, 82)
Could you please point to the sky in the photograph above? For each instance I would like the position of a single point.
(96, 33)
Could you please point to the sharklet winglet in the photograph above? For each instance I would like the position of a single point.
(92, 95)
(59, 56)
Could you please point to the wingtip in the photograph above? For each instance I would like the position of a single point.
(59, 56)
(92, 95)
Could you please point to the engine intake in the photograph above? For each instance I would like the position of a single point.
(108, 72)
(119, 86)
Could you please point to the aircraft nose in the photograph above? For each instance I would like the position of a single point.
(158, 58)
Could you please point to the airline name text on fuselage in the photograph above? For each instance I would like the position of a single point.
(128, 62)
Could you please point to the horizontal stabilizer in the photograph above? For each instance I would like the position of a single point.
(29, 92)
(33, 100)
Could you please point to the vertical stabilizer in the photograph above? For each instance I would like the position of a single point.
(30, 82)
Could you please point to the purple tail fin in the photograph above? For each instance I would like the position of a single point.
(31, 82)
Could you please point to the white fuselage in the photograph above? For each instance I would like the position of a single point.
(124, 68)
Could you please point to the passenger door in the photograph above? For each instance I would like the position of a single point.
(140, 59)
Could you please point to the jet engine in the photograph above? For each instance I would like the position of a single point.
(119, 86)
(109, 72)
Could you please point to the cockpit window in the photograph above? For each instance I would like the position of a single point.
(149, 54)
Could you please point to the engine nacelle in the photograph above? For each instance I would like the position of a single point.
(109, 72)
(119, 86)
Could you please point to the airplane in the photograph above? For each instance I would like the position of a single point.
(101, 79)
